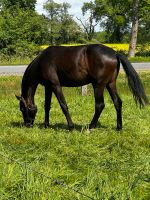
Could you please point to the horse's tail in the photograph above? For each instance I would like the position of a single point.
(134, 81)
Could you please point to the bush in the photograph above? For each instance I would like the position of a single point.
(20, 53)
(143, 50)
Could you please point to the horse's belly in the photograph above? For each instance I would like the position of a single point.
(73, 81)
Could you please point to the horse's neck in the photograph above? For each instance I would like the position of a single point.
(29, 85)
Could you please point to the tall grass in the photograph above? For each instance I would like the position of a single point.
(103, 163)
(16, 60)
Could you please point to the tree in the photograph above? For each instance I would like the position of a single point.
(53, 10)
(21, 32)
(116, 17)
(144, 33)
(89, 24)
(65, 22)
(134, 29)
(23, 4)
(62, 27)
(113, 18)
(140, 15)
(69, 29)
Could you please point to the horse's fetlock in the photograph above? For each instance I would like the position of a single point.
(100, 106)
(71, 127)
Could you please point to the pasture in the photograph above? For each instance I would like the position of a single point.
(49, 164)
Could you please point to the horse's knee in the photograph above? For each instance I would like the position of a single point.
(100, 106)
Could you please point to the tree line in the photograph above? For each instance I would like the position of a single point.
(23, 30)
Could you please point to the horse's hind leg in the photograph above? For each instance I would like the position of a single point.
(99, 104)
(117, 102)
(59, 94)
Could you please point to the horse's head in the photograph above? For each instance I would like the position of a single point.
(28, 112)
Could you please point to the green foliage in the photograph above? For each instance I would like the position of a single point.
(140, 59)
(115, 17)
(144, 33)
(62, 27)
(23, 4)
(90, 23)
(103, 163)
(21, 32)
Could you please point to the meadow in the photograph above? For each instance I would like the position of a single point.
(55, 164)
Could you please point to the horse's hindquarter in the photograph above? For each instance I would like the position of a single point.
(103, 63)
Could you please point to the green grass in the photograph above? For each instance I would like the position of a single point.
(26, 61)
(103, 163)
(16, 60)
(140, 59)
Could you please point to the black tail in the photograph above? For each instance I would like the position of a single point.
(134, 81)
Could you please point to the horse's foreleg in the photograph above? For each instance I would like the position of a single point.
(59, 94)
(99, 104)
(117, 103)
(48, 96)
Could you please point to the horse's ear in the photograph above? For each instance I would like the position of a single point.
(19, 98)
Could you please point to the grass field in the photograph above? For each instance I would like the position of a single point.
(102, 164)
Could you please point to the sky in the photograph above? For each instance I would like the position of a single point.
(75, 9)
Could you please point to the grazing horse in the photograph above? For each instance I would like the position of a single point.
(75, 66)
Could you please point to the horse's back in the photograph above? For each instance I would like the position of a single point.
(76, 65)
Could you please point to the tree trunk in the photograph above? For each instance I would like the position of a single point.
(134, 30)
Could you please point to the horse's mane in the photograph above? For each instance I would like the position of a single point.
(26, 77)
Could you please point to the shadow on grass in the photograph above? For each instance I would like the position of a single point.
(64, 126)
(17, 124)
(60, 126)
(57, 126)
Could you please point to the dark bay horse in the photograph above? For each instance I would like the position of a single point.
(75, 66)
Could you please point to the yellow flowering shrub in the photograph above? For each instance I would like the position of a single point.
(140, 49)
(69, 45)
(65, 45)
(44, 46)
(119, 47)
(116, 47)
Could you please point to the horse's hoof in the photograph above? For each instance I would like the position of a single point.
(29, 125)
(71, 128)
(46, 125)
(92, 126)
(119, 128)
